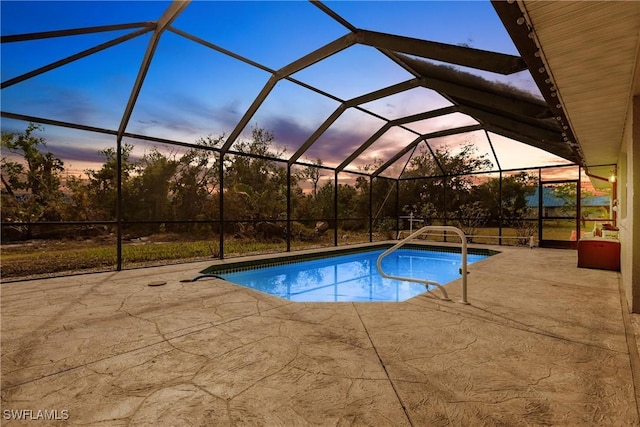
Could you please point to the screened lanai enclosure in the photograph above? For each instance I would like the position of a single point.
(147, 133)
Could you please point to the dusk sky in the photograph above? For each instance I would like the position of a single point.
(192, 91)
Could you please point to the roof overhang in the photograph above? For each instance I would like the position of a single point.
(584, 58)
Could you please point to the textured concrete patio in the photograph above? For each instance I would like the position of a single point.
(542, 343)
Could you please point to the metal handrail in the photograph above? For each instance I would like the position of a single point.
(427, 282)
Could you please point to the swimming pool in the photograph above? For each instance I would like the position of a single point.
(350, 277)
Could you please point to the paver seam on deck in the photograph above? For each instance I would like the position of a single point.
(393, 386)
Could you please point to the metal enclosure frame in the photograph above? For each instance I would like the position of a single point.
(534, 122)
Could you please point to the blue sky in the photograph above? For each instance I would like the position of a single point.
(192, 91)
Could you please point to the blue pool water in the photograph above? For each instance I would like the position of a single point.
(354, 277)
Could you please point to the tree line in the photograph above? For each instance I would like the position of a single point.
(161, 190)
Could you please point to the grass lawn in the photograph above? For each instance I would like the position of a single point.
(48, 257)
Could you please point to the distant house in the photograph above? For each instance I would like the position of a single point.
(592, 207)
(551, 205)
(596, 207)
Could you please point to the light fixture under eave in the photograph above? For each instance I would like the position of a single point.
(613, 178)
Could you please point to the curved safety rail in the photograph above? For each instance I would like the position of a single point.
(427, 282)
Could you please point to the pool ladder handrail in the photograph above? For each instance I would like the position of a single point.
(427, 282)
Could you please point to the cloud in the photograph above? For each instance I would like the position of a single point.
(287, 133)
(333, 146)
(77, 107)
(62, 103)
(202, 113)
(74, 153)
(183, 117)
(336, 144)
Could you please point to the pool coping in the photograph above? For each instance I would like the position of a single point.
(236, 265)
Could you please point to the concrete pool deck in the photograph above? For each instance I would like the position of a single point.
(542, 343)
